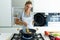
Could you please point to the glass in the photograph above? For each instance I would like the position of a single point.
(54, 17)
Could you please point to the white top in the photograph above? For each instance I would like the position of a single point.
(26, 19)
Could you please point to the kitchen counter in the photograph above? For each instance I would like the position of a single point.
(7, 36)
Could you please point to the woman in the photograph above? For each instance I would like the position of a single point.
(26, 18)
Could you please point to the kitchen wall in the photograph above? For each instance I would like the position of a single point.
(46, 6)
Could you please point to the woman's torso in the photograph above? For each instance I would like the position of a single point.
(28, 19)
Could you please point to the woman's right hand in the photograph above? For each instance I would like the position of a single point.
(25, 24)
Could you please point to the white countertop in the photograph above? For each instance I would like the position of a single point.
(5, 36)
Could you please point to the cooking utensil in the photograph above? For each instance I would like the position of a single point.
(27, 30)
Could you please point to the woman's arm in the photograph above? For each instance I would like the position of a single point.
(20, 22)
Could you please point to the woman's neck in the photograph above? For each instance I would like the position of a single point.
(27, 12)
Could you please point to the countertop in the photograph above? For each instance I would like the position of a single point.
(5, 36)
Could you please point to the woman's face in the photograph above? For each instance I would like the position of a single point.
(28, 6)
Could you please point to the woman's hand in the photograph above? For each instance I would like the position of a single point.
(24, 23)
(18, 22)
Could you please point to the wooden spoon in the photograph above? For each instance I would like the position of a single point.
(27, 30)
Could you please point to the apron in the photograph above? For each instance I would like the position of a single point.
(28, 20)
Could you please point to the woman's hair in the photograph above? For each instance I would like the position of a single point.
(28, 2)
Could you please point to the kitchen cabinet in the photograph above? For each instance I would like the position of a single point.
(5, 13)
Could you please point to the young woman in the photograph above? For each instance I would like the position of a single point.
(25, 17)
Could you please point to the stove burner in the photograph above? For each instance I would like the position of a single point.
(19, 37)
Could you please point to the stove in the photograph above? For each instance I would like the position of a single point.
(19, 37)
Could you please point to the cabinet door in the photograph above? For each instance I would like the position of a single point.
(5, 13)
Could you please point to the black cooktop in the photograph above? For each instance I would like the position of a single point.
(19, 37)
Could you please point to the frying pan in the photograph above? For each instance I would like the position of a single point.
(27, 35)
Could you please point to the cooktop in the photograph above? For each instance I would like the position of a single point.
(19, 37)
